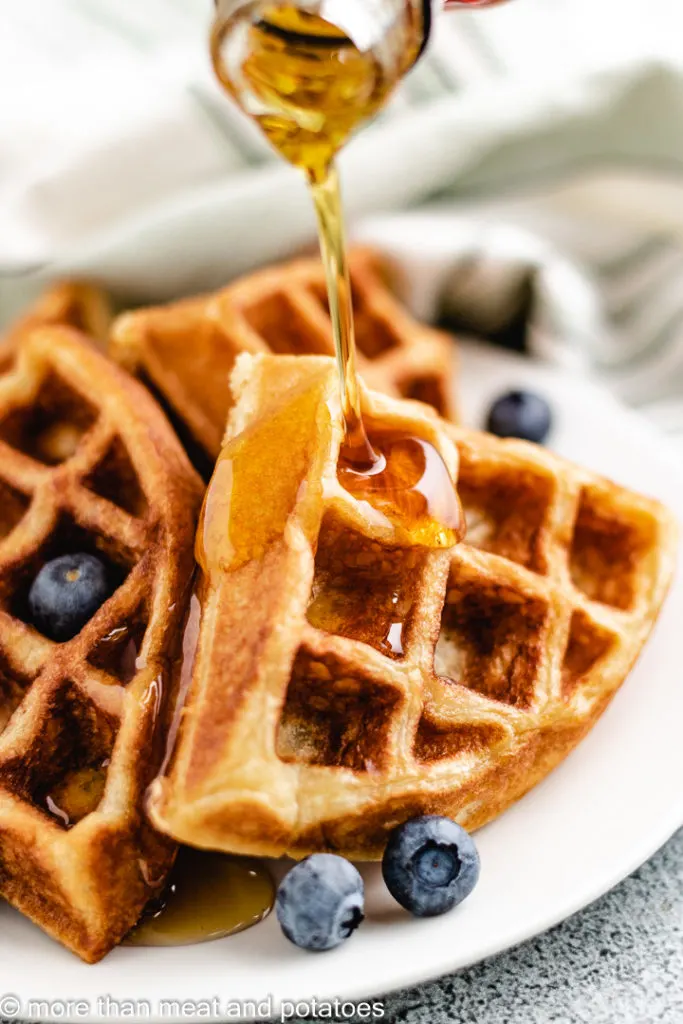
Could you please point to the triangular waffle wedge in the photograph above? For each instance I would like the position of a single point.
(185, 351)
(79, 304)
(87, 463)
(341, 685)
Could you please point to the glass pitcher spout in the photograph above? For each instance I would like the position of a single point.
(370, 23)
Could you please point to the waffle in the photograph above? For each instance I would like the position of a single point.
(185, 351)
(341, 685)
(87, 463)
(78, 304)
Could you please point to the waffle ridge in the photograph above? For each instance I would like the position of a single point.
(371, 683)
(185, 351)
(87, 463)
(79, 304)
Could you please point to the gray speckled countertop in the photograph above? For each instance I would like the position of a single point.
(620, 961)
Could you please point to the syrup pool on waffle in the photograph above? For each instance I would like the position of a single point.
(309, 83)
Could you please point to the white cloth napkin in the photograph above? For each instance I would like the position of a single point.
(536, 167)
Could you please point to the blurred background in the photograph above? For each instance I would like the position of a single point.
(541, 139)
(108, 106)
(40, 38)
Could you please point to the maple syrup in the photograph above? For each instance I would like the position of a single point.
(208, 896)
(303, 79)
(309, 83)
(247, 506)
(332, 610)
(407, 487)
(78, 794)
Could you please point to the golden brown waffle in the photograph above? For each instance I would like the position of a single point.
(87, 463)
(185, 351)
(342, 685)
(78, 304)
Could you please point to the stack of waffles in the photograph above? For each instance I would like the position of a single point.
(185, 352)
(333, 683)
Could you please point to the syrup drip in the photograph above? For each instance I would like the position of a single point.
(208, 896)
(327, 200)
(78, 794)
(119, 652)
(247, 505)
(334, 608)
(407, 487)
(402, 480)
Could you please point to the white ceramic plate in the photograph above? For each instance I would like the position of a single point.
(593, 821)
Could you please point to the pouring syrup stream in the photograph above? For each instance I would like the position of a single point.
(308, 86)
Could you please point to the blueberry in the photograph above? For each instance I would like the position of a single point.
(320, 902)
(430, 865)
(66, 593)
(520, 414)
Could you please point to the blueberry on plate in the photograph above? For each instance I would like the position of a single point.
(520, 414)
(320, 902)
(66, 593)
(430, 865)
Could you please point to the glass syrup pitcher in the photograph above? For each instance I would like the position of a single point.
(378, 25)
